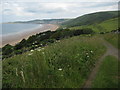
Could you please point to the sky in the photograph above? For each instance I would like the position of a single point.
(24, 10)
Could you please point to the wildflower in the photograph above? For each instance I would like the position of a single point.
(22, 76)
(30, 54)
(36, 45)
(42, 48)
(91, 51)
(41, 44)
(31, 50)
(58, 40)
(35, 41)
(43, 34)
(87, 56)
(60, 69)
(68, 65)
(43, 53)
(38, 49)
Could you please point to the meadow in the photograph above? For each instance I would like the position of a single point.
(112, 38)
(63, 64)
(105, 26)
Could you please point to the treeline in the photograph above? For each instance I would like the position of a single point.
(40, 40)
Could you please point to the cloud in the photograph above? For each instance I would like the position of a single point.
(46, 8)
(13, 11)
(60, 1)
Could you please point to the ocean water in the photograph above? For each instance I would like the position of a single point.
(8, 29)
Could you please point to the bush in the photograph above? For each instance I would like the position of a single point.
(43, 39)
(7, 50)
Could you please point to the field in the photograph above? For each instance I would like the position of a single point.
(105, 26)
(108, 74)
(113, 39)
(64, 64)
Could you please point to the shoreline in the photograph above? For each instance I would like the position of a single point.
(16, 38)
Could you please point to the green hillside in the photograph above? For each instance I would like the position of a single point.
(91, 18)
(113, 39)
(65, 58)
(64, 64)
(105, 26)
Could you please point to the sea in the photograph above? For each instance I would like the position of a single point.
(8, 29)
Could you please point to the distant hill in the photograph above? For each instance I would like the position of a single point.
(44, 21)
(92, 18)
(105, 26)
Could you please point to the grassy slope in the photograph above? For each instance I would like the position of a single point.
(107, 77)
(63, 64)
(112, 38)
(92, 18)
(108, 25)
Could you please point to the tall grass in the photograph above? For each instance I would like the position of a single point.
(112, 38)
(64, 64)
(108, 74)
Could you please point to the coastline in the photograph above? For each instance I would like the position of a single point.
(16, 38)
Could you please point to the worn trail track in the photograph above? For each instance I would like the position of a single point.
(111, 50)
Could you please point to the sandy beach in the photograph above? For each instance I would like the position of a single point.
(15, 38)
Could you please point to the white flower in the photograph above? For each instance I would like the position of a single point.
(87, 56)
(38, 49)
(60, 69)
(35, 41)
(30, 54)
(43, 53)
(58, 40)
(31, 50)
(42, 48)
(91, 51)
(43, 34)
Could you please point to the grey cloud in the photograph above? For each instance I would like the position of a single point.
(49, 10)
(40, 8)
